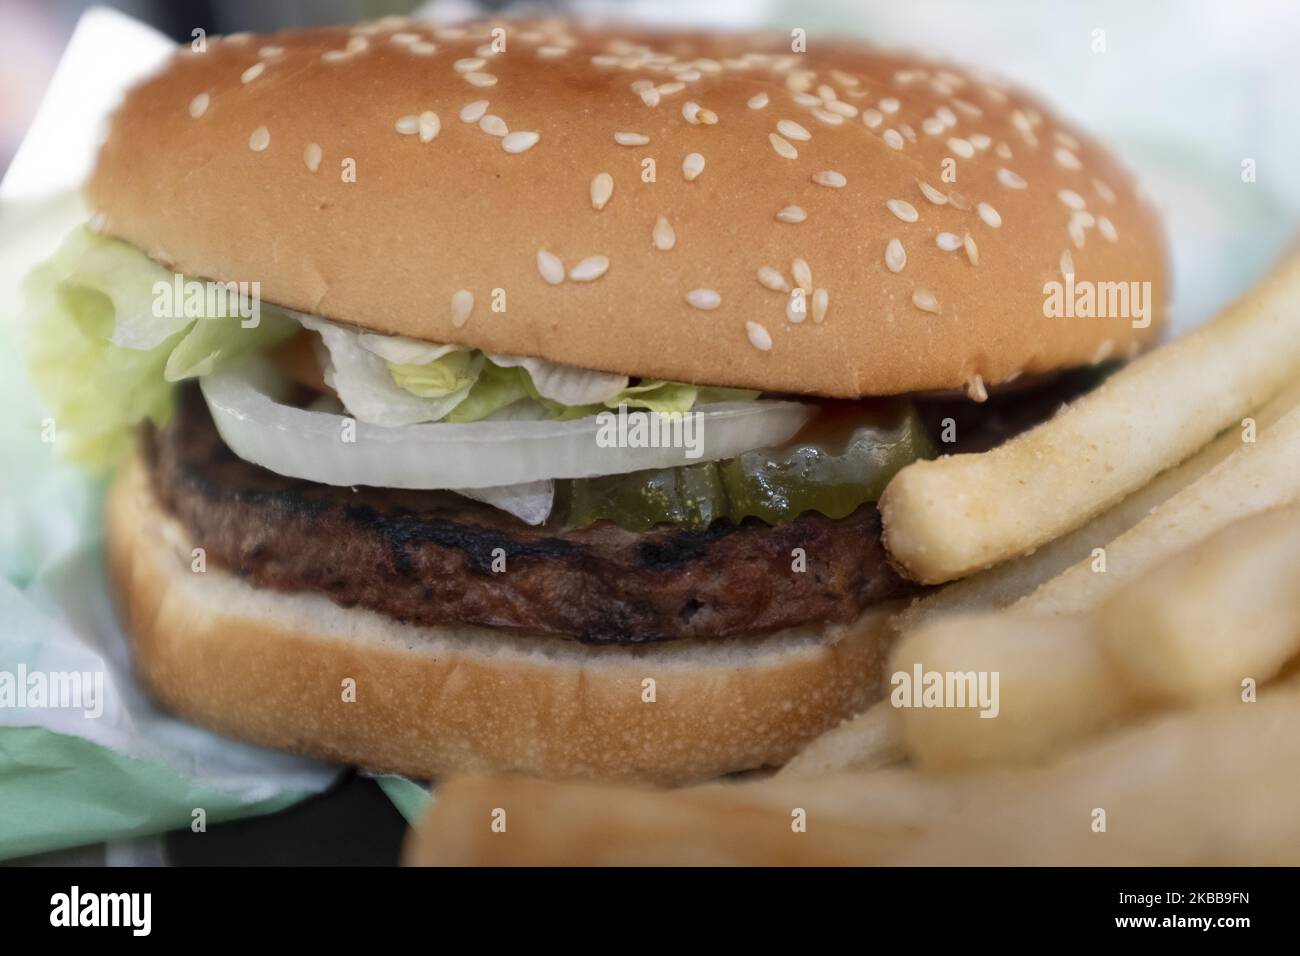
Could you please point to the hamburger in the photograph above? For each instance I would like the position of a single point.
(517, 395)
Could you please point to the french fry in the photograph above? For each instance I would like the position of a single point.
(1193, 629)
(1050, 684)
(1003, 584)
(951, 517)
(868, 741)
(1216, 786)
(1254, 478)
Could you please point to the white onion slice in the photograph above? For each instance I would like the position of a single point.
(530, 502)
(311, 444)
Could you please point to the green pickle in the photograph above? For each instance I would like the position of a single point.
(840, 460)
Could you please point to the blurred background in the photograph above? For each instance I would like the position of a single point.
(1187, 91)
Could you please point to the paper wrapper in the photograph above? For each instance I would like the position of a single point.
(67, 778)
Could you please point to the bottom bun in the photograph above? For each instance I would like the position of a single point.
(276, 668)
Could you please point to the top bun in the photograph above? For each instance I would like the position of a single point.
(360, 174)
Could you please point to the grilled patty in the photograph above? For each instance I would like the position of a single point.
(430, 557)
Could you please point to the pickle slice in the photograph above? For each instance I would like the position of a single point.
(690, 497)
(840, 460)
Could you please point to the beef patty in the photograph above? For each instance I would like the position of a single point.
(435, 558)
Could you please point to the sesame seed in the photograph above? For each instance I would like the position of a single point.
(239, 37)
(1067, 263)
(98, 223)
(270, 52)
(908, 131)
(932, 126)
(961, 147)
(945, 116)
(829, 118)
(924, 300)
(990, 215)
(959, 200)
(688, 76)
(668, 89)
(758, 101)
(972, 250)
(551, 52)
(357, 44)
(827, 92)
(975, 389)
(650, 97)
(480, 79)
(840, 108)
(820, 303)
(260, 139)
(769, 278)
(407, 125)
(888, 105)
(893, 139)
(519, 142)
(1011, 180)
(704, 299)
(1065, 139)
(1067, 158)
(430, 125)
(802, 273)
(980, 141)
(335, 56)
(895, 256)
(796, 307)
(791, 214)
(782, 146)
(602, 187)
(462, 304)
(948, 241)
(485, 50)
(903, 209)
(312, 156)
(1072, 199)
(631, 139)
(932, 194)
(1003, 151)
(758, 336)
(1077, 232)
(872, 118)
(792, 130)
(1103, 351)
(807, 99)
(692, 166)
(403, 39)
(493, 125)
(473, 112)
(550, 266)
(469, 64)
(253, 72)
(199, 105)
(662, 235)
(1107, 229)
(1104, 191)
(589, 269)
(422, 48)
(830, 178)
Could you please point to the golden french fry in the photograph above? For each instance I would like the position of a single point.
(1216, 786)
(1254, 478)
(1006, 583)
(1212, 787)
(1048, 684)
(868, 741)
(1194, 628)
(950, 517)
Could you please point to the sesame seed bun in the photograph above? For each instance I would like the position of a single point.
(270, 667)
(772, 169)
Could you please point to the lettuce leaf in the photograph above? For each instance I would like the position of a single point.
(100, 356)
(436, 379)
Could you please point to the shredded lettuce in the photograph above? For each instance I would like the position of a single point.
(102, 358)
(104, 355)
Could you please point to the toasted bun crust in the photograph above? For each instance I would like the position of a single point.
(424, 219)
(270, 667)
